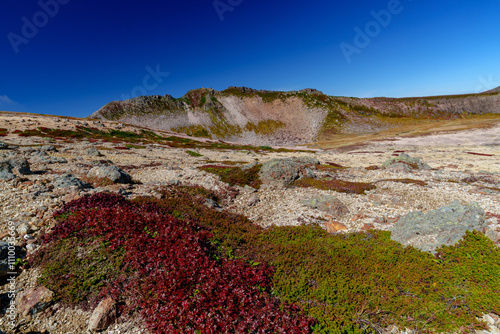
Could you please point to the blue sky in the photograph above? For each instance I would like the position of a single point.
(70, 57)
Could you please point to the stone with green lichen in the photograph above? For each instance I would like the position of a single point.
(443, 226)
(405, 163)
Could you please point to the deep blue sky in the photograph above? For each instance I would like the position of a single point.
(94, 51)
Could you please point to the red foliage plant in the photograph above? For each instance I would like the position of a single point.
(172, 273)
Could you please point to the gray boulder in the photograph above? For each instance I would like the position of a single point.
(43, 158)
(328, 204)
(405, 163)
(443, 226)
(285, 171)
(15, 253)
(11, 166)
(3, 146)
(48, 148)
(67, 181)
(93, 152)
(113, 173)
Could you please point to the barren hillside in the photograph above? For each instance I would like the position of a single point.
(251, 116)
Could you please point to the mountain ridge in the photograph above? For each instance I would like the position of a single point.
(264, 117)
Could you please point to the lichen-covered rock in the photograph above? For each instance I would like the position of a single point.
(68, 181)
(285, 171)
(329, 204)
(113, 173)
(405, 163)
(443, 226)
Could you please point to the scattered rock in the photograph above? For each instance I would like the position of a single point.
(3, 146)
(34, 301)
(93, 152)
(113, 173)
(253, 200)
(444, 226)
(329, 204)
(68, 181)
(103, 316)
(404, 162)
(285, 171)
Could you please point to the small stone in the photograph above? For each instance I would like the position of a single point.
(24, 229)
(48, 148)
(34, 301)
(367, 227)
(103, 316)
(31, 247)
(334, 227)
(253, 200)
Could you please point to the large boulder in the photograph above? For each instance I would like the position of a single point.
(10, 167)
(68, 181)
(404, 162)
(285, 171)
(443, 226)
(328, 204)
(113, 173)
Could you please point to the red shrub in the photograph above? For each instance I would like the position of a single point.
(174, 275)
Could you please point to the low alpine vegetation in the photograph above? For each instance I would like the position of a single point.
(236, 176)
(189, 268)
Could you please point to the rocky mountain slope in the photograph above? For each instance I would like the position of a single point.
(246, 115)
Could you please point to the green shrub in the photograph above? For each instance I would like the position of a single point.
(236, 175)
(194, 154)
(335, 185)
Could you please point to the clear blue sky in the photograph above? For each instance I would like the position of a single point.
(83, 54)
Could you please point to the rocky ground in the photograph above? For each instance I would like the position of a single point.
(45, 173)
